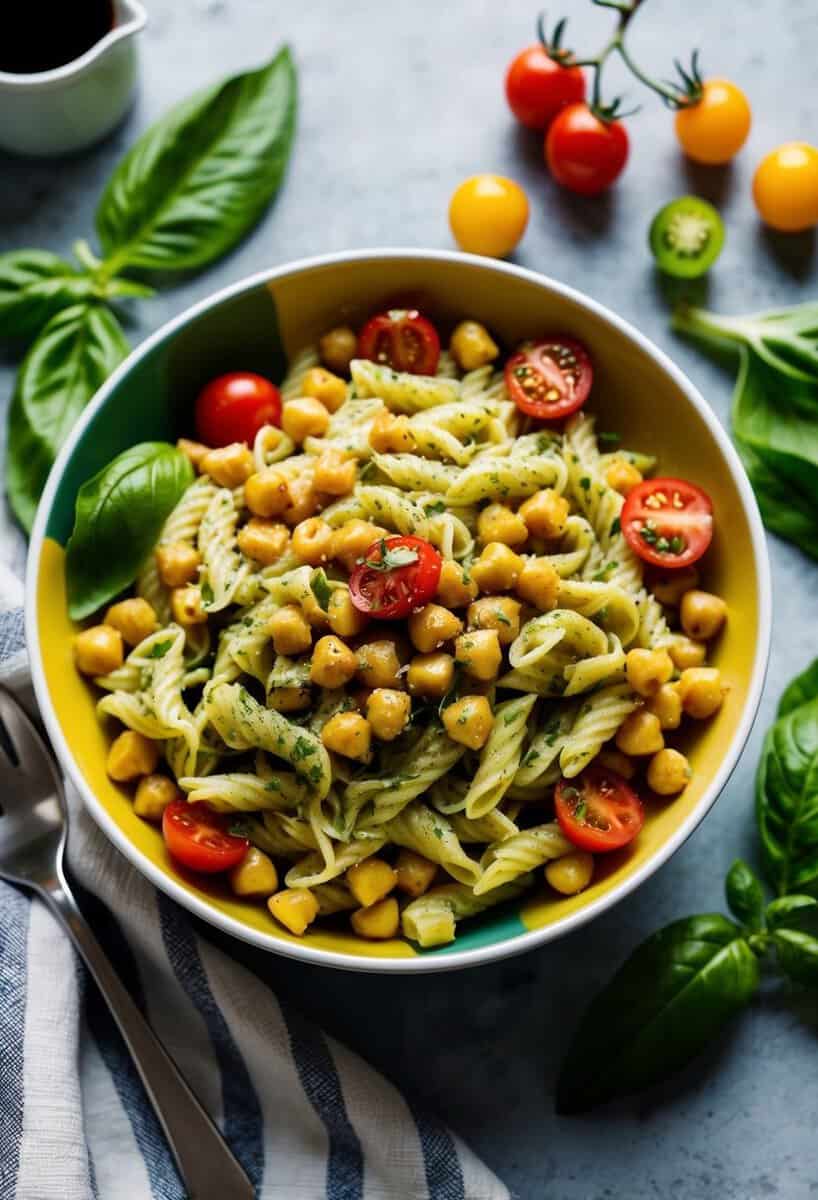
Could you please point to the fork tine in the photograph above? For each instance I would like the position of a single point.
(33, 755)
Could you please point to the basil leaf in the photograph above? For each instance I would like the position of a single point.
(120, 513)
(203, 175)
(672, 996)
(787, 801)
(788, 909)
(319, 586)
(744, 895)
(800, 691)
(794, 930)
(34, 285)
(70, 360)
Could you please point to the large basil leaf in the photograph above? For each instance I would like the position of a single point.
(744, 895)
(119, 515)
(787, 800)
(674, 994)
(202, 176)
(70, 360)
(800, 691)
(34, 285)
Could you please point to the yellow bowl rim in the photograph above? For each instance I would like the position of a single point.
(520, 942)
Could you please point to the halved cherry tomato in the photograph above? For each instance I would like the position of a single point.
(550, 379)
(403, 340)
(598, 811)
(200, 839)
(395, 576)
(232, 408)
(668, 522)
(584, 153)
(537, 87)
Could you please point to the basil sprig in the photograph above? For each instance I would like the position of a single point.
(189, 189)
(678, 991)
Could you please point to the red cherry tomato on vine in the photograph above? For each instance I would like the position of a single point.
(584, 153)
(232, 408)
(199, 838)
(537, 87)
(395, 576)
(401, 339)
(667, 522)
(550, 379)
(598, 811)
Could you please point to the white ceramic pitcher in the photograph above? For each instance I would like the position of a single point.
(68, 108)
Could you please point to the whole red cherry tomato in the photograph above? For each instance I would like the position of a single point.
(584, 153)
(537, 87)
(232, 408)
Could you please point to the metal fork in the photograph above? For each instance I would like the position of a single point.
(33, 830)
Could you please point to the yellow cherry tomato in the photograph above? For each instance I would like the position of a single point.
(488, 215)
(716, 128)
(785, 187)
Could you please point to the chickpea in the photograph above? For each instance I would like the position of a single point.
(379, 921)
(669, 588)
(615, 760)
(131, 755)
(290, 630)
(431, 626)
(229, 466)
(497, 569)
(390, 434)
(469, 721)
(701, 691)
(686, 653)
(335, 473)
(304, 417)
(348, 734)
(333, 663)
(570, 874)
(667, 705)
(640, 733)
(177, 564)
(289, 699)
(496, 612)
(622, 476)
(267, 494)
(304, 501)
(478, 653)
(295, 908)
(194, 452)
(134, 618)
(371, 880)
(388, 712)
(352, 540)
(264, 541)
(153, 794)
(497, 523)
(312, 541)
(456, 588)
(539, 584)
(324, 386)
(255, 875)
(668, 773)
(415, 873)
(647, 670)
(545, 514)
(379, 665)
(472, 346)
(187, 606)
(702, 614)
(337, 349)
(98, 650)
(344, 618)
(430, 675)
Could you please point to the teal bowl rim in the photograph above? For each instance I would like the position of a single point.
(520, 942)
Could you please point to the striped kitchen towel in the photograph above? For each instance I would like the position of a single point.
(307, 1118)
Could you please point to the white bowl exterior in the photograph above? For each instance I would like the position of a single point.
(523, 941)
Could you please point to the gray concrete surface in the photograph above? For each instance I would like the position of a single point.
(399, 102)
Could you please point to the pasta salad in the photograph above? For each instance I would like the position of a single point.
(415, 639)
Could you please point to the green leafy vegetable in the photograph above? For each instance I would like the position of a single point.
(320, 588)
(800, 691)
(674, 994)
(34, 286)
(787, 800)
(793, 924)
(71, 359)
(392, 557)
(203, 175)
(744, 895)
(119, 515)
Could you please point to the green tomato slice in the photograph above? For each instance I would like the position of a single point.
(686, 237)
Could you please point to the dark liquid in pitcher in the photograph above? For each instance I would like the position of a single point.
(41, 36)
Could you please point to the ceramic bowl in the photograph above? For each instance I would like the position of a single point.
(258, 325)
